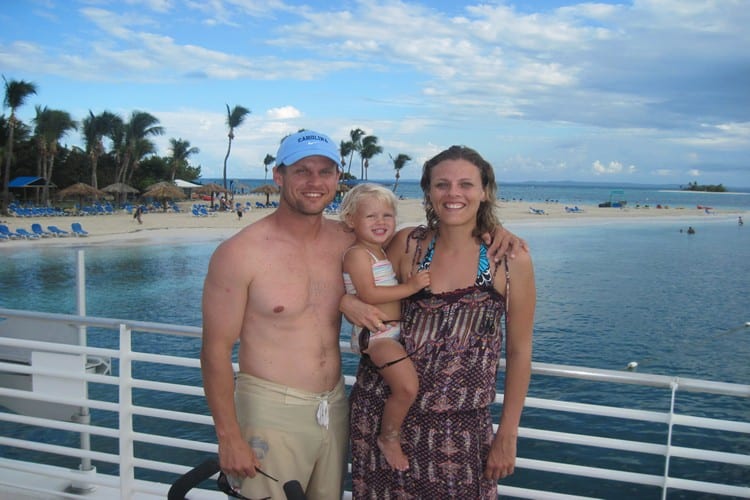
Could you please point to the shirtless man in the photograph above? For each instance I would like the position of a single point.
(276, 286)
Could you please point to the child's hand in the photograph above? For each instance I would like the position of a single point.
(420, 280)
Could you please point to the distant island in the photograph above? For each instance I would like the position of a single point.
(711, 188)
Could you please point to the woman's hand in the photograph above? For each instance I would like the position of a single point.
(501, 461)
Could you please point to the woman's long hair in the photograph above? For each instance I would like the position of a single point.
(487, 219)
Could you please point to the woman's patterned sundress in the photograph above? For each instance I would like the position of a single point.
(456, 339)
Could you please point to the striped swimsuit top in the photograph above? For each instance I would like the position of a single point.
(382, 273)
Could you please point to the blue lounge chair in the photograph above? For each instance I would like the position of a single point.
(4, 237)
(27, 235)
(537, 211)
(10, 234)
(78, 230)
(57, 231)
(37, 229)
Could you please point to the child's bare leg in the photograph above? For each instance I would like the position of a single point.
(402, 381)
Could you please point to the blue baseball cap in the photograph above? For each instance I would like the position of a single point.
(304, 144)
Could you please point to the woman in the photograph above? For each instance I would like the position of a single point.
(454, 334)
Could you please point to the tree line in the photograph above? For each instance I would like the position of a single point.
(711, 188)
(118, 150)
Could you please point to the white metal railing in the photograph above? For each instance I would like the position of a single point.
(144, 461)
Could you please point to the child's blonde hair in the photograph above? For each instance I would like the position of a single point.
(350, 203)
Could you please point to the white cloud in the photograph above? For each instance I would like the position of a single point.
(613, 167)
(283, 113)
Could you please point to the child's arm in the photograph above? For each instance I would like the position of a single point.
(358, 263)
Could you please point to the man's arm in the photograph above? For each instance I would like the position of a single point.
(503, 242)
(225, 294)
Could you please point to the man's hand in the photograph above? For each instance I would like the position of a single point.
(237, 459)
(362, 314)
(503, 242)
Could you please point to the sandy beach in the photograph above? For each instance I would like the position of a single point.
(121, 228)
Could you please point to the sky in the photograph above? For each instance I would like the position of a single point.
(644, 91)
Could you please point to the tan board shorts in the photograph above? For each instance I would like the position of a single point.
(297, 435)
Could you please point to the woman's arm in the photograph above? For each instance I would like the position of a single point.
(520, 325)
(358, 264)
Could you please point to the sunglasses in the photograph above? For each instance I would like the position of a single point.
(228, 489)
(364, 343)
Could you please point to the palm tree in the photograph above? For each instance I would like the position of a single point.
(356, 135)
(181, 151)
(345, 149)
(51, 126)
(369, 149)
(398, 164)
(235, 117)
(139, 128)
(141, 148)
(16, 92)
(95, 128)
(268, 160)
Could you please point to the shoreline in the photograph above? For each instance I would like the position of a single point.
(121, 229)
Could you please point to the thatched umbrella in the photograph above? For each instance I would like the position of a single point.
(119, 189)
(164, 191)
(211, 188)
(80, 190)
(267, 189)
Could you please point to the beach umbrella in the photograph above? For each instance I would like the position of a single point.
(120, 188)
(80, 190)
(266, 189)
(210, 189)
(165, 191)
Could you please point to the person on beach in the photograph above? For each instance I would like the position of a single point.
(453, 331)
(276, 286)
(369, 210)
(138, 215)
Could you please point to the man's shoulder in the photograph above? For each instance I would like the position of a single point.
(251, 234)
(338, 232)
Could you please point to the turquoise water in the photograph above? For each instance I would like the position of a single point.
(585, 194)
(608, 294)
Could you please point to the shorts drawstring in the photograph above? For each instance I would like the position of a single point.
(322, 414)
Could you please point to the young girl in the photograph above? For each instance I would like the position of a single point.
(370, 211)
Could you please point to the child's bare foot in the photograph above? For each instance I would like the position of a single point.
(390, 446)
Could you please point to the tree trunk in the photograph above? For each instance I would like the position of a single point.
(226, 157)
(8, 159)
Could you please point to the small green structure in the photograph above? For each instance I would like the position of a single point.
(616, 199)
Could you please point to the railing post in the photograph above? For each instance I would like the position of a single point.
(127, 467)
(83, 416)
(670, 424)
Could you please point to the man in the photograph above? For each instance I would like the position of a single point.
(276, 286)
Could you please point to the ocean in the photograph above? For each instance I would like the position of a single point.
(608, 293)
(573, 194)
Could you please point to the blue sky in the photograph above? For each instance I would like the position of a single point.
(649, 91)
